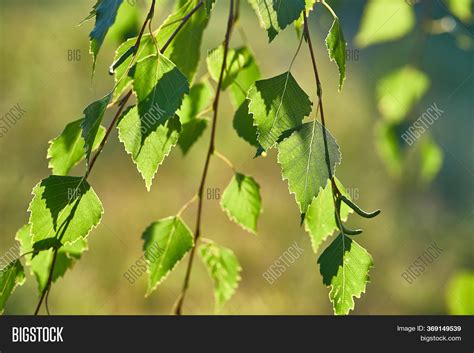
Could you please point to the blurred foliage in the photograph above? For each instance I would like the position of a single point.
(38, 72)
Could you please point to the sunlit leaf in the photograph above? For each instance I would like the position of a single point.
(277, 104)
(40, 264)
(275, 15)
(167, 240)
(345, 267)
(67, 150)
(336, 45)
(65, 208)
(302, 157)
(242, 202)
(147, 151)
(320, 221)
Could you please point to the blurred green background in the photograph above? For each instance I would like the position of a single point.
(36, 37)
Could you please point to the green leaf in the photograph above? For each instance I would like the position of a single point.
(224, 269)
(302, 157)
(174, 239)
(40, 264)
(199, 98)
(336, 45)
(122, 80)
(208, 4)
(11, 276)
(345, 267)
(184, 53)
(275, 15)
(243, 121)
(385, 20)
(185, 49)
(388, 148)
(460, 294)
(159, 87)
(148, 148)
(320, 221)
(93, 115)
(462, 9)
(237, 60)
(277, 104)
(242, 202)
(67, 150)
(243, 124)
(105, 12)
(245, 78)
(431, 160)
(65, 208)
(127, 23)
(191, 132)
(399, 91)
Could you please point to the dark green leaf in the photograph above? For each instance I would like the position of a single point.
(277, 104)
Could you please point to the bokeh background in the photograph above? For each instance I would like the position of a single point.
(36, 37)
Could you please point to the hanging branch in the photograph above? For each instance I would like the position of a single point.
(230, 22)
(121, 105)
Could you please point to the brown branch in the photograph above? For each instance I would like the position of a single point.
(179, 303)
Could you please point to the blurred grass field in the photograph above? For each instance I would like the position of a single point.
(35, 72)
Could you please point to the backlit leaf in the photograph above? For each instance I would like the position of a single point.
(170, 239)
(90, 125)
(302, 157)
(67, 150)
(40, 264)
(345, 267)
(320, 221)
(277, 104)
(190, 133)
(65, 208)
(275, 15)
(104, 12)
(242, 202)
(160, 88)
(336, 45)
(147, 151)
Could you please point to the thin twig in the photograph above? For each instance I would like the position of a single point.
(48, 282)
(122, 104)
(183, 22)
(186, 205)
(224, 159)
(179, 303)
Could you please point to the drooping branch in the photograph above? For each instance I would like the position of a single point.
(121, 105)
(230, 22)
